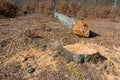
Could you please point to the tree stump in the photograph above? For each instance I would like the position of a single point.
(80, 54)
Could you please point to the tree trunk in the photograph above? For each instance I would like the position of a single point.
(115, 3)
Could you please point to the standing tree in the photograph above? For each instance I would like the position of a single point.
(54, 3)
(78, 2)
(115, 3)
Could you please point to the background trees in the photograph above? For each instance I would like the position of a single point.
(114, 3)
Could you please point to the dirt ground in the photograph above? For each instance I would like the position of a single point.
(29, 40)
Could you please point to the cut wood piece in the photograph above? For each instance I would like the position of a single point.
(79, 27)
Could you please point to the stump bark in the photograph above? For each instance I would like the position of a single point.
(80, 56)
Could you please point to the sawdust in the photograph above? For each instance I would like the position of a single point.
(40, 60)
(79, 48)
(34, 58)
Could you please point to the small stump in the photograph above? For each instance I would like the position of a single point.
(81, 54)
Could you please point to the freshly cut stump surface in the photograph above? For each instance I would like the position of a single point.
(79, 48)
(80, 53)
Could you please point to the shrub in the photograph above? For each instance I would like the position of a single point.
(8, 9)
(28, 8)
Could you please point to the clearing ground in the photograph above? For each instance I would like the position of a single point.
(28, 42)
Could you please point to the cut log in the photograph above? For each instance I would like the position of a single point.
(79, 27)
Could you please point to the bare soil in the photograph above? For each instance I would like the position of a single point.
(28, 41)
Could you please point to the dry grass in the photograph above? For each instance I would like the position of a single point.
(72, 9)
(28, 8)
(103, 12)
(35, 33)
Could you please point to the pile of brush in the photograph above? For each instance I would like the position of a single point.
(8, 9)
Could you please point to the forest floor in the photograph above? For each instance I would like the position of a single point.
(26, 43)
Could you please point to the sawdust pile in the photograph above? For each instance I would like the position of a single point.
(47, 67)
